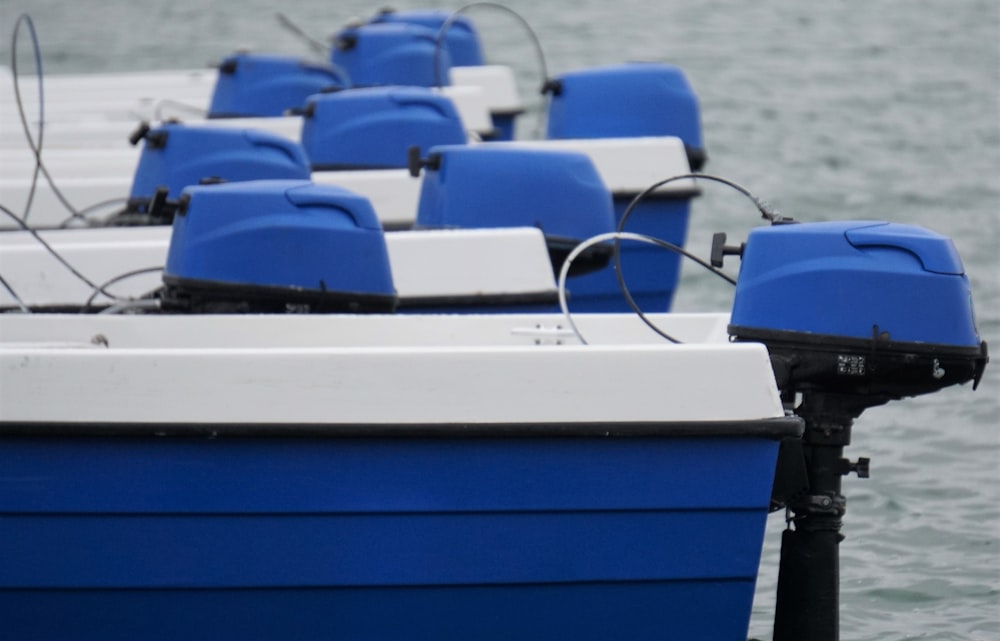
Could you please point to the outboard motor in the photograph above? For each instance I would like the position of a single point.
(854, 314)
(276, 246)
(175, 156)
(461, 38)
(625, 101)
(374, 128)
(252, 85)
(391, 53)
(559, 192)
(456, 36)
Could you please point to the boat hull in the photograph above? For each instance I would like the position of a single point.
(442, 532)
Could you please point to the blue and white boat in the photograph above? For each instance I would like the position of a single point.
(460, 476)
(440, 477)
(358, 136)
(272, 447)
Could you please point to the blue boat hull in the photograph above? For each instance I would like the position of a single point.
(312, 536)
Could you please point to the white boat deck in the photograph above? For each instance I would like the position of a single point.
(425, 264)
(372, 370)
(111, 102)
(88, 177)
(335, 369)
(89, 118)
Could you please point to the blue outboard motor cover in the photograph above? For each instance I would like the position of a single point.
(268, 85)
(855, 280)
(461, 38)
(374, 127)
(283, 241)
(629, 100)
(559, 192)
(175, 156)
(391, 53)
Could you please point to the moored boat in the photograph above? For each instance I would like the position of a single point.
(438, 477)
(366, 126)
(305, 455)
(490, 191)
(463, 476)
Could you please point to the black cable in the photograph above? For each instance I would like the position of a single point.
(492, 5)
(13, 294)
(315, 45)
(199, 112)
(119, 277)
(616, 235)
(55, 254)
(35, 146)
(762, 207)
(674, 248)
(91, 209)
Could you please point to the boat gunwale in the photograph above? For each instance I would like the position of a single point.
(772, 428)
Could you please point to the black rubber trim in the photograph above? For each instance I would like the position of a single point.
(835, 343)
(355, 166)
(182, 293)
(492, 134)
(697, 157)
(766, 428)
(673, 194)
(226, 115)
(480, 300)
(507, 112)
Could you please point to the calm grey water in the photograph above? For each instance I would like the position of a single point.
(876, 109)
